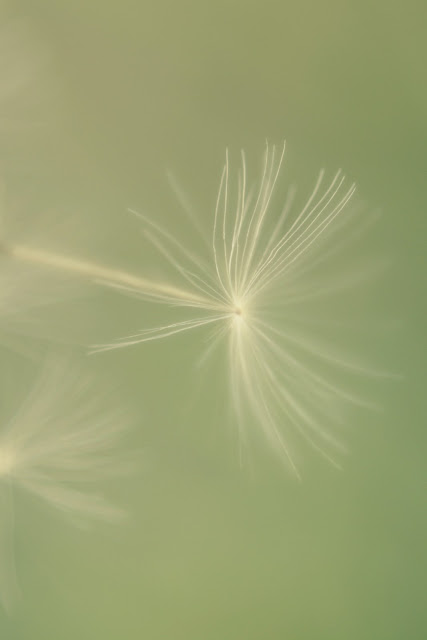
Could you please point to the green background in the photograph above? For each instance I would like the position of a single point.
(127, 90)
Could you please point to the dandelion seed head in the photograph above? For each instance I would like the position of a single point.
(283, 380)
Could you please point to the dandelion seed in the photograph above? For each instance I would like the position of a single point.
(253, 275)
(246, 287)
(54, 447)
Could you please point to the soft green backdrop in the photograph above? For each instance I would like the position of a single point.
(133, 89)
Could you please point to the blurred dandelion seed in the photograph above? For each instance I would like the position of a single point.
(59, 442)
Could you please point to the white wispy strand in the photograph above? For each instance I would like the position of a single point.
(59, 444)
